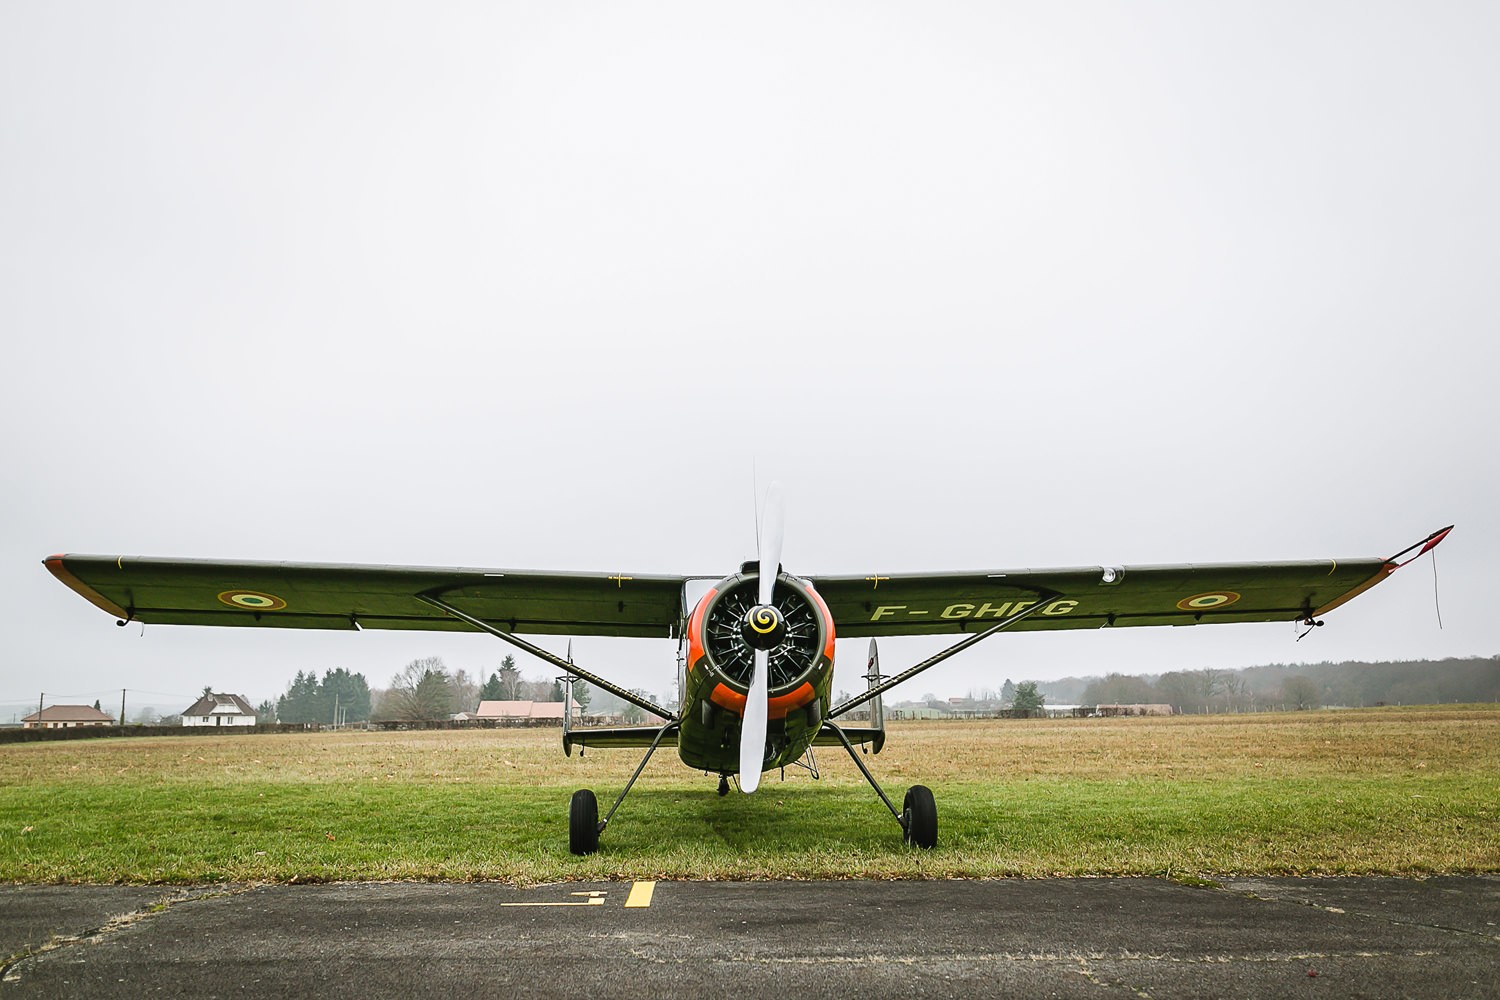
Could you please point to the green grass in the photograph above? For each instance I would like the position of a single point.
(1369, 792)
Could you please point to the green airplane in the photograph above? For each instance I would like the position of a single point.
(756, 650)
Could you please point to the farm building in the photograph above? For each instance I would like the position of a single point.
(522, 712)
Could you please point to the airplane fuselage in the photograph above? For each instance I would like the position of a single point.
(716, 675)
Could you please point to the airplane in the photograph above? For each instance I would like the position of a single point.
(756, 650)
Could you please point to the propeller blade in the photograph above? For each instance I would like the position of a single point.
(772, 525)
(753, 731)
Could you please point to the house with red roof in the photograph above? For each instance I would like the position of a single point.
(67, 717)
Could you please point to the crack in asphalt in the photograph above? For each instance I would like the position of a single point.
(1089, 975)
(10, 964)
(1364, 914)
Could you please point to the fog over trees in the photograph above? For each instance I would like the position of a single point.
(1303, 685)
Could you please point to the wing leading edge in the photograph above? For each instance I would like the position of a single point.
(337, 596)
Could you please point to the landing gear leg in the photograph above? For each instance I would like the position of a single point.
(918, 818)
(723, 785)
(584, 810)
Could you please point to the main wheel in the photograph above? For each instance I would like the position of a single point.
(919, 817)
(583, 823)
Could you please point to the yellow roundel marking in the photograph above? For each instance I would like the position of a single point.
(763, 621)
(252, 600)
(1204, 602)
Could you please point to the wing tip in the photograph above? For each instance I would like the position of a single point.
(1425, 546)
(57, 566)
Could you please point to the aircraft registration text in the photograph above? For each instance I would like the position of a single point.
(985, 610)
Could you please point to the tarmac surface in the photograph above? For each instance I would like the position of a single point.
(1096, 938)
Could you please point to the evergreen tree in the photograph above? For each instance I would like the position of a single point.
(1028, 698)
(309, 700)
(491, 690)
(510, 679)
(348, 692)
(299, 704)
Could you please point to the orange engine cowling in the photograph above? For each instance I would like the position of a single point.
(721, 659)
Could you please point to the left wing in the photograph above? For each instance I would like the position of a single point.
(337, 596)
(1097, 596)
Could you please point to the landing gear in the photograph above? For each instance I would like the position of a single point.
(919, 817)
(723, 785)
(583, 823)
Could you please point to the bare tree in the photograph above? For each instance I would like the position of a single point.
(1300, 691)
(422, 690)
(465, 691)
(1118, 689)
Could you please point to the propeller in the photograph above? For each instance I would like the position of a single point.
(763, 630)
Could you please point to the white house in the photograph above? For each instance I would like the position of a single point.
(219, 710)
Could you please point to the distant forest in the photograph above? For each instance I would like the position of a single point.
(1352, 683)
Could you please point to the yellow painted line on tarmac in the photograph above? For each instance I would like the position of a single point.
(594, 899)
(640, 894)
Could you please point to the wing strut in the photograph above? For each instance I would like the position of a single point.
(567, 666)
(1044, 598)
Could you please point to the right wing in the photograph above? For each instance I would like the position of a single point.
(1093, 597)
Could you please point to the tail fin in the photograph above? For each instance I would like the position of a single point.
(568, 680)
(870, 734)
(877, 709)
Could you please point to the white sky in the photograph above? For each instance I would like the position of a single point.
(984, 285)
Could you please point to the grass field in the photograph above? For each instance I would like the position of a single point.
(1378, 791)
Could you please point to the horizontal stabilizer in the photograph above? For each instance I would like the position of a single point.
(610, 738)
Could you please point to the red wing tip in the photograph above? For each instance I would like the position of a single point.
(1422, 548)
(1433, 540)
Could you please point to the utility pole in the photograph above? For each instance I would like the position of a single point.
(122, 706)
(39, 699)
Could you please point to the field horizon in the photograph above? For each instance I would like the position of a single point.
(1386, 791)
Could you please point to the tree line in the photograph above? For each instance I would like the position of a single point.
(425, 689)
(1306, 685)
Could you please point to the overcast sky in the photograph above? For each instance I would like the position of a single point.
(532, 286)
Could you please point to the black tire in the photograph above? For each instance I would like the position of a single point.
(583, 823)
(919, 816)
